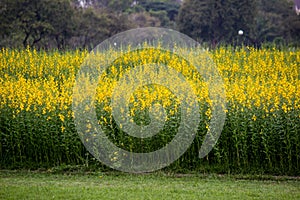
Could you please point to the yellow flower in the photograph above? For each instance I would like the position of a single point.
(62, 128)
(61, 117)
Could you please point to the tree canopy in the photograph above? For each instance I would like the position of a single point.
(85, 23)
(218, 21)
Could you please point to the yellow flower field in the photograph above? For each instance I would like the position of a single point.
(261, 131)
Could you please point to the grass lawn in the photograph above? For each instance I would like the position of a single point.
(97, 185)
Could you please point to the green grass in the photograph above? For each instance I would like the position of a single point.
(38, 185)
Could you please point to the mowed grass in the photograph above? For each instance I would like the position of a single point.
(32, 185)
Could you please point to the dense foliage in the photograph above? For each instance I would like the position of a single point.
(66, 24)
(218, 21)
(261, 132)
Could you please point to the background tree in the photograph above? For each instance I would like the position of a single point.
(276, 21)
(120, 6)
(37, 22)
(95, 25)
(144, 19)
(192, 19)
(56, 23)
(63, 20)
(169, 6)
(85, 23)
(216, 20)
(29, 18)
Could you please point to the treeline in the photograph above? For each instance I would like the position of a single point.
(84, 23)
(219, 21)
